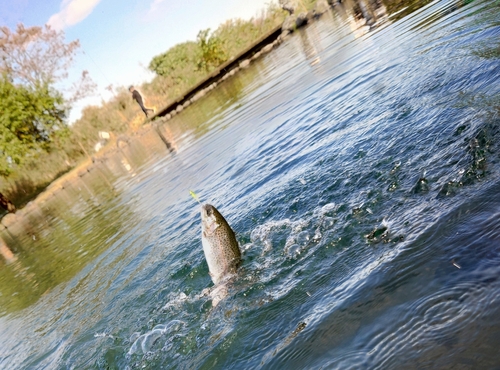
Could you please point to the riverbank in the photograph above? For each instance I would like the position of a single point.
(257, 50)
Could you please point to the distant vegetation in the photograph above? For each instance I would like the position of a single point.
(183, 65)
(37, 145)
(35, 141)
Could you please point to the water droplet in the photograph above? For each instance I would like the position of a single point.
(293, 251)
(303, 238)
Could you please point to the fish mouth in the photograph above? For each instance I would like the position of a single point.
(208, 219)
(207, 210)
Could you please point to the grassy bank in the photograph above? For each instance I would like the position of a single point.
(179, 68)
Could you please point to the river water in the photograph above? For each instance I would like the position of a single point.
(359, 167)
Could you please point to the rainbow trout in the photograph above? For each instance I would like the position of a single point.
(219, 244)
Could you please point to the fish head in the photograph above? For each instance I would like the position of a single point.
(210, 219)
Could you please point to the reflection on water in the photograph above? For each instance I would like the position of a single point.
(35, 263)
(311, 44)
(358, 163)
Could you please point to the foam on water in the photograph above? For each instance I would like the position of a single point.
(143, 344)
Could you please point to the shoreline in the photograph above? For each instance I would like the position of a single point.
(228, 69)
(243, 60)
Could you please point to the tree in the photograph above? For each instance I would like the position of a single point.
(175, 62)
(177, 69)
(212, 52)
(33, 60)
(38, 57)
(35, 56)
(29, 118)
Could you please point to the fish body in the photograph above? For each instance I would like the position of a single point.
(219, 242)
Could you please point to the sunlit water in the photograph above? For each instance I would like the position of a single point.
(360, 171)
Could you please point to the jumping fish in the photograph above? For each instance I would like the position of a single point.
(219, 242)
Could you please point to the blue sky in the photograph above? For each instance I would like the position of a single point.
(120, 37)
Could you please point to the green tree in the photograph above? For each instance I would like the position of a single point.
(175, 61)
(177, 68)
(212, 53)
(34, 65)
(29, 118)
(33, 60)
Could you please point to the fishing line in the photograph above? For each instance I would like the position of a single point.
(97, 66)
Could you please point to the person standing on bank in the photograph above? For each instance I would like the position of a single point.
(138, 98)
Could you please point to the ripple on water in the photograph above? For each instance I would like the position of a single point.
(434, 324)
(323, 172)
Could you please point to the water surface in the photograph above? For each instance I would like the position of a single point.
(359, 167)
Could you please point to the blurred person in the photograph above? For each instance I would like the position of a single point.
(138, 98)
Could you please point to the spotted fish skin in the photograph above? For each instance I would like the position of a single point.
(219, 242)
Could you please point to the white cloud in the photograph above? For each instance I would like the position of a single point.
(72, 12)
(155, 4)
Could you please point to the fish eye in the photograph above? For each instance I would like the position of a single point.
(209, 212)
